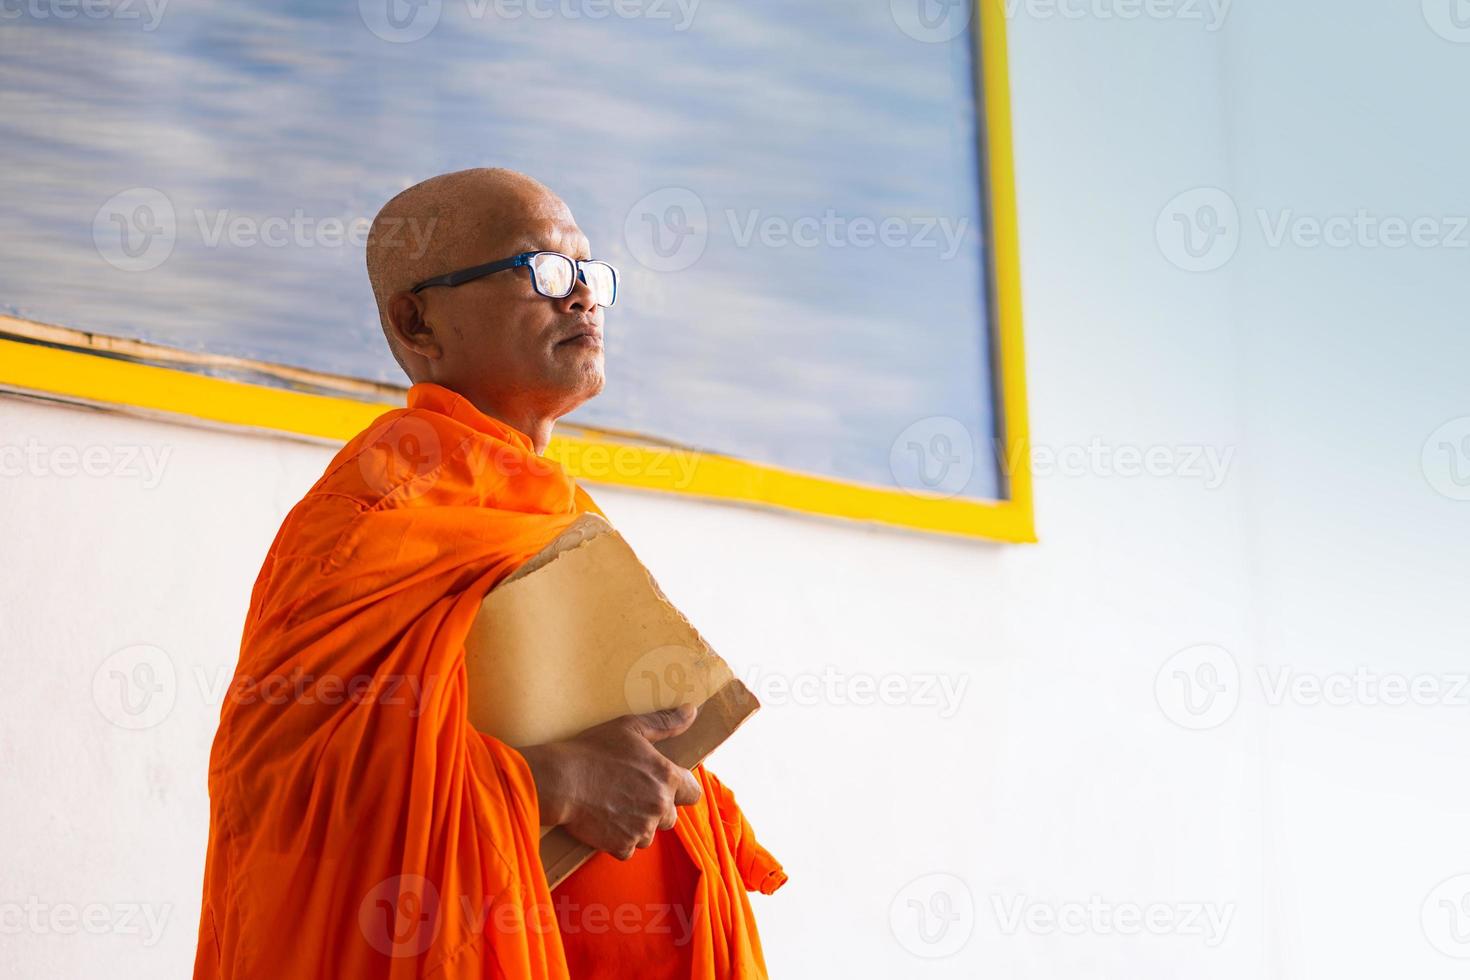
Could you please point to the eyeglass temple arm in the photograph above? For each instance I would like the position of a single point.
(474, 272)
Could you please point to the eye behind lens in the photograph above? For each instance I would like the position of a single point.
(555, 274)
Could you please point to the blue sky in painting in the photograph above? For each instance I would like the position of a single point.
(817, 119)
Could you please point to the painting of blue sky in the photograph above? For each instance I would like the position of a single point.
(791, 191)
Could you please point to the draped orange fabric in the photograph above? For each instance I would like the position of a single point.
(359, 826)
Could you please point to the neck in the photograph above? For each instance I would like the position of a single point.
(538, 429)
(535, 425)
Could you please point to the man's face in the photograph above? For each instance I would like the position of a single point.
(504, 341)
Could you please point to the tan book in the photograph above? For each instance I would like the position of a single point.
(579, 635)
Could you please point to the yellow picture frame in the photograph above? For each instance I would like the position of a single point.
(132, 375)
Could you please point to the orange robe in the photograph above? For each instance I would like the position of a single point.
(359, 827)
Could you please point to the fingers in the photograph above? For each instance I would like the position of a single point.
(659, 725)
(686, 788)
(670, 818)
(644, 840)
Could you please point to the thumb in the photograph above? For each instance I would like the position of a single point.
(659, 725)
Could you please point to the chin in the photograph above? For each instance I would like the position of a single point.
(595, 382)
(593, 374)
(584, 383)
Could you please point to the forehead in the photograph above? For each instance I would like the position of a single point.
(524, 218)
(556, 234)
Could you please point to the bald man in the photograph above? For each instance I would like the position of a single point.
(359, 826)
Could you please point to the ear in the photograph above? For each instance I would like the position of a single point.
(410, 327)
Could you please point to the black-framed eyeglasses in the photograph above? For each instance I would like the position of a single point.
(553, 275)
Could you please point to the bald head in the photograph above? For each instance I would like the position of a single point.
(494, 339)
(440, 224)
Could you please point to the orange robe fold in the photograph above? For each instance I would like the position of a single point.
(359, 827)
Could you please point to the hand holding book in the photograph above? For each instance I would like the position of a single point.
(610, 787)
(580, 661)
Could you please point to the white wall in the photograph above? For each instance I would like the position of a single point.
(1063, 777)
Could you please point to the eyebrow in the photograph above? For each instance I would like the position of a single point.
(528, 244)
(580, 254)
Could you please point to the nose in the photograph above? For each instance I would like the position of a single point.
(580, 299)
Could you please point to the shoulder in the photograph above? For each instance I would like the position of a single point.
(378, 469)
